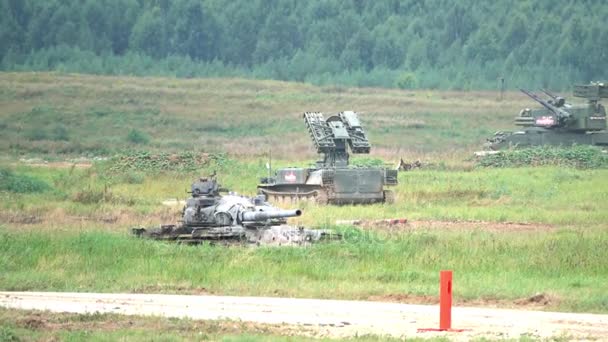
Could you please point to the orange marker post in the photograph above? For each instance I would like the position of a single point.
(445, 300)
(445, 304)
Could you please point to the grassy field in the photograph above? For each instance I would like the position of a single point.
(509, 234)
(544, 195)
(542, 231)
(46, 113)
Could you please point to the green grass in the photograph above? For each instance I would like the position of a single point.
(546, 195)
(567, 265)
(70, 230)
(49, 113)
(561, 254)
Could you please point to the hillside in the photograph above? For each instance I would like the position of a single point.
(434, 44)
(46, 113)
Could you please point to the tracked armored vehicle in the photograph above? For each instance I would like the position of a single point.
(211, 216)
(332, 180)
(559, 122)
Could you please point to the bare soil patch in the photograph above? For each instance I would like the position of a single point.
(50, 323)
(58, 164)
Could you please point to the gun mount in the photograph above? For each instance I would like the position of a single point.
(210, 216)
(556, 100)
(331, 180)
(559, 122)
(557, 117)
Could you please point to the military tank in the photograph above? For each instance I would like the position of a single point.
(230, 218)
(558, 122)
(332, 180)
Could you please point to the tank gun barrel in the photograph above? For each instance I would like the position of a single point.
(267, 215)
(550, 94)
(560, 113)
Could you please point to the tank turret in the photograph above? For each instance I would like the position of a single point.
(209, 215)
(557, 115)
(232, 210)
(556, 100)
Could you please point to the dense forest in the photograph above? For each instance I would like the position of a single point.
(464, 44)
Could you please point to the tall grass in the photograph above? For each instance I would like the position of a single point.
(568, 266)
(242, 117)
(543, 195)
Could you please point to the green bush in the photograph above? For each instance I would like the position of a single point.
(9, 181)
(407, 80)
(60, 133)
(143, 161)
(138, 137)
(367, 162)
(36, 134)
(8, 335)
(583, 157)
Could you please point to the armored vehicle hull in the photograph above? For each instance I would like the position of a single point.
(332, 180)
(331, 186)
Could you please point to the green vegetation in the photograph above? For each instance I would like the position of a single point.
(19, 183)
(568, 266)
(149, 162)
(235, 116)
(557, 251)
(558, 195)
(407, 44)
(509, 233)
(583, 157)
(138, 137)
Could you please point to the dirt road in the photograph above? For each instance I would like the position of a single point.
(336, 318)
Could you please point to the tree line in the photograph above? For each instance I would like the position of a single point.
(464, 44)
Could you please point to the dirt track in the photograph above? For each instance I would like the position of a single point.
(326, 317)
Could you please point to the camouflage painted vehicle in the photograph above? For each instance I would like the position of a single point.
(559, 122)
(332, 180)
(211, 216)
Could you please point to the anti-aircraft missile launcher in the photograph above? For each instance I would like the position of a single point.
(332, 180)
(559, 122)
(211, 216)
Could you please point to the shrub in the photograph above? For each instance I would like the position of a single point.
(8, 334)
(583, 157)
(367, 162)
(143, 161)
(9, 181)
(36, 134)
(138, 137)
(407, 80)
(60, 133)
